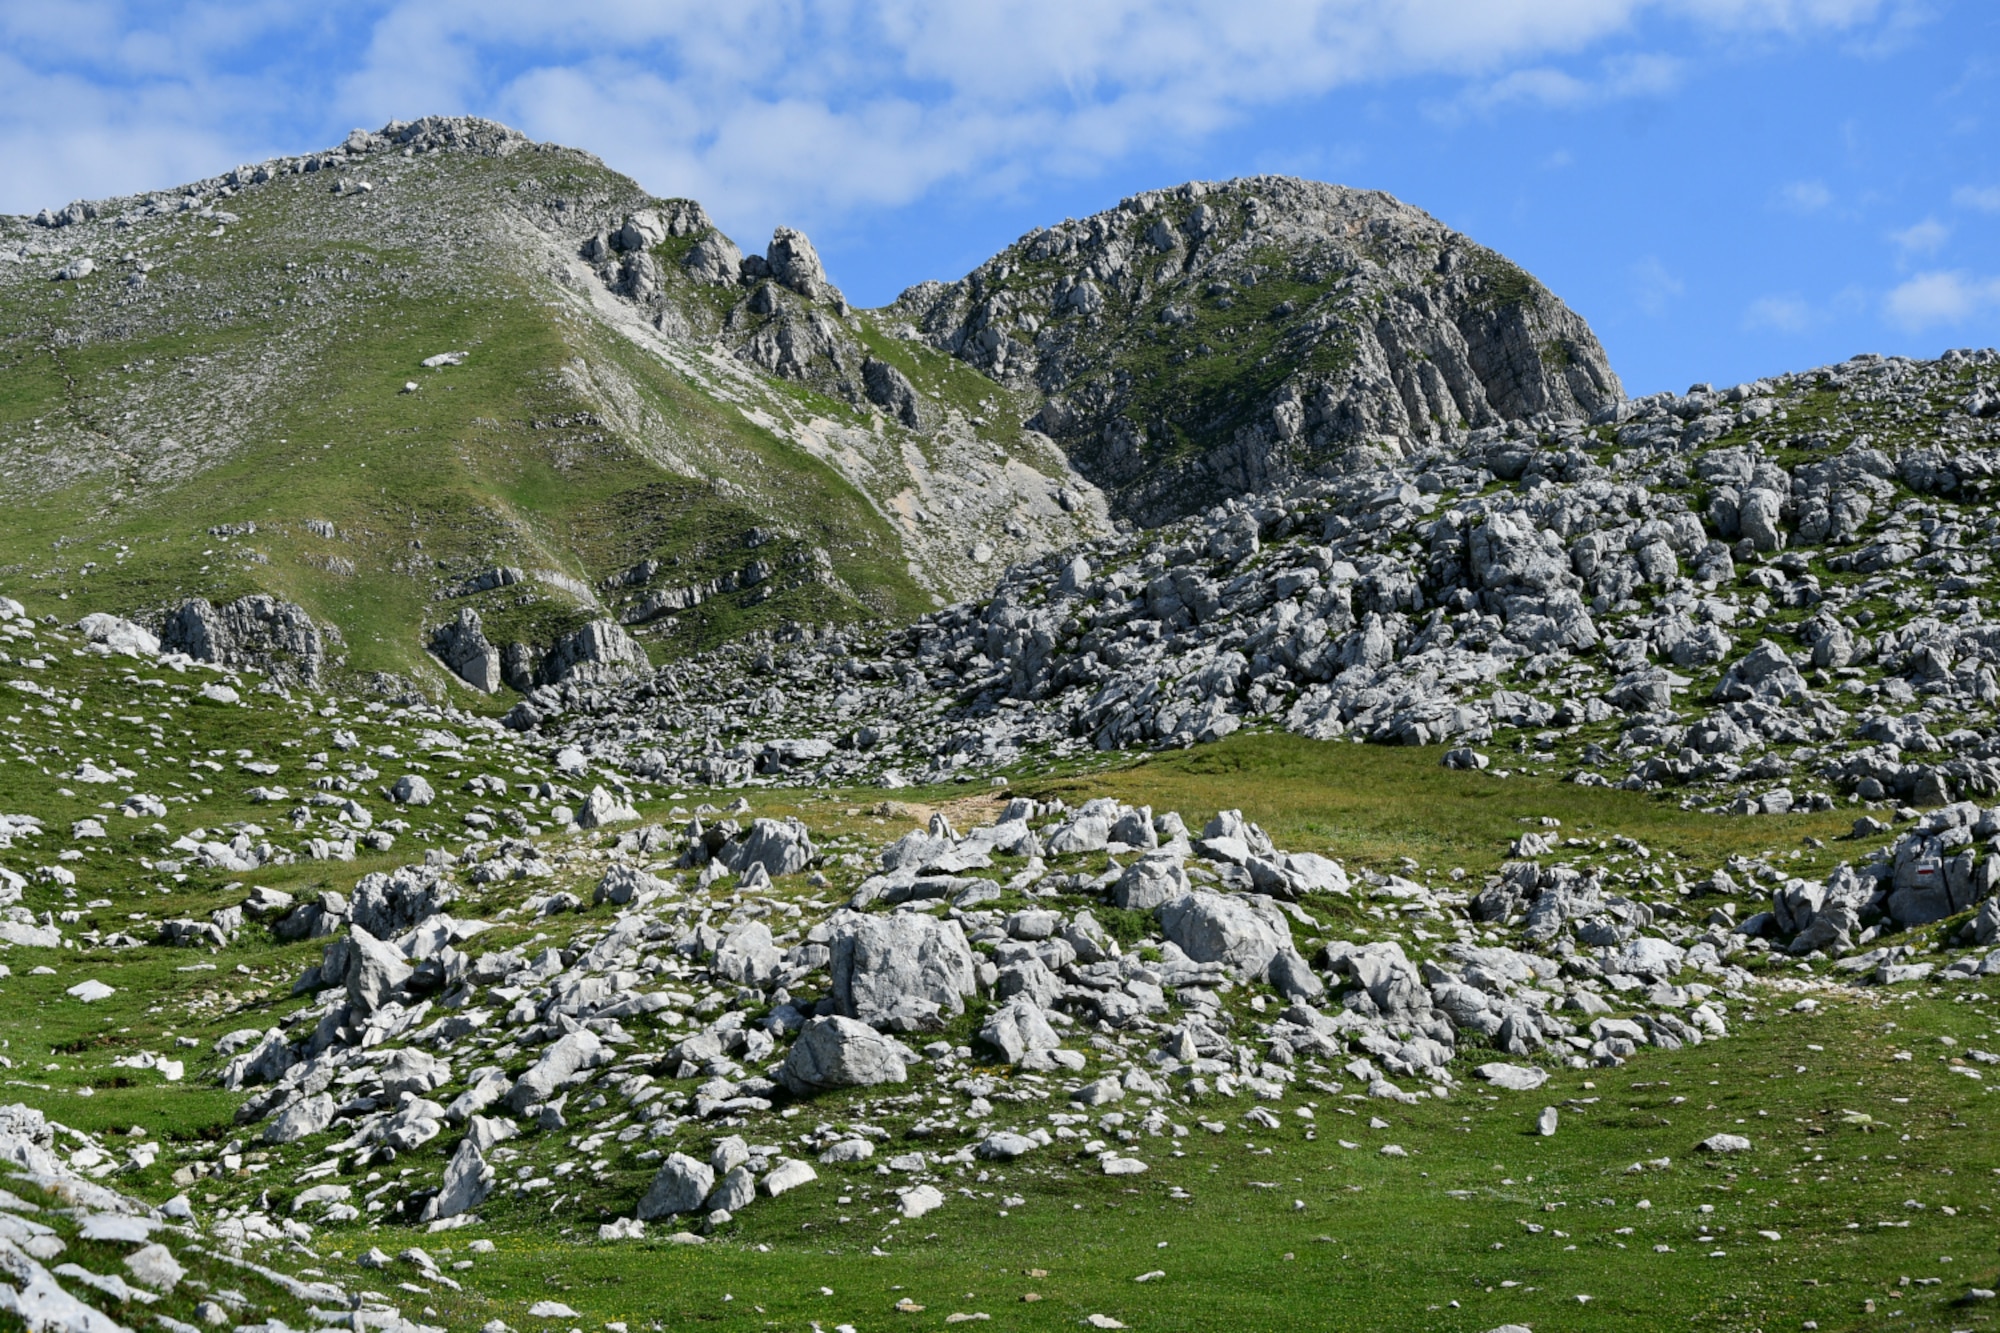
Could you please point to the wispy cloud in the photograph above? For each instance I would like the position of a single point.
(1921, 238)
(1789, 313)
(1646, 75)
(816, 109)
(1940, 299)
(1803, 196)
(1980, 198)
(1653, 287)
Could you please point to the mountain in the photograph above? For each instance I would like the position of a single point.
(1212, 340)
(442, 368)
(367, 380)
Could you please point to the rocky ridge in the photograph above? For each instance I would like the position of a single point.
(1767, 597)
(1229, 338)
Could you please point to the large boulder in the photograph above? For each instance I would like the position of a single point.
(566, 1059)
(1242, 934)
(375, 970)
(601, 808)
(259, 631)
(1929, 887)
(467, 1182)
(1766, 675)
(1150, 881)
(462, 646)
(900, 972)
(1018, 1028)
(781, 846)
(302, 1119)
(835, 1052)
(386, 904)
(747, 956)
(681, 1185)
(601, 653)
(110, 634)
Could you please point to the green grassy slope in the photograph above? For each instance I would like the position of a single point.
(249, 382)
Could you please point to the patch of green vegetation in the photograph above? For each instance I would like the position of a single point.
(1191, 384)
(1373, 805)
(1289, 1228)
(1503, 285)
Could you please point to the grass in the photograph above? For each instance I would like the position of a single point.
(1380, 1241)
(505, 459)
(1440, 1239)
(1374, 805)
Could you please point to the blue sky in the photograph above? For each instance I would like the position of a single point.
(1723, 188)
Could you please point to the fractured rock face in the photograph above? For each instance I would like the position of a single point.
(795, 264)
(900, 972)
(599, 653)
(713, 260)
(462, 646)
(890, 389)
(1453, 336)
(254, 631)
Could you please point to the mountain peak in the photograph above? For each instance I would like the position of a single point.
(1226, 336)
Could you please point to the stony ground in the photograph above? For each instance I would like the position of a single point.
(401, 1002)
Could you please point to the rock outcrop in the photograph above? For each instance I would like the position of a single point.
(259, 631)
(1216, 339)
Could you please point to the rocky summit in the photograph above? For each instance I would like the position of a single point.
(559, 774)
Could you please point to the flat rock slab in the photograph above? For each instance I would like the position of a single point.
(117, 1227)
(1513, 1078)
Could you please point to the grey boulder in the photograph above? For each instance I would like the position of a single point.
(112, 634)
(1238, 933)
(568, 1056)
(467, 1182)
(835, 1052)
(901, 972)
(1150, 881)
(1017, 1028)
(680, 1186)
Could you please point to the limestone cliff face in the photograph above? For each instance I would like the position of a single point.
(1215, 339)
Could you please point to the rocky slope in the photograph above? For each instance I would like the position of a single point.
(442, 367)
(552, 1000)
(1764, 597)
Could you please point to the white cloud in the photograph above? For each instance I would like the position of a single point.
(761, 107)
(1804, 196)
(1981, 198)
(1921, 238)
(1942, 297)
(1619, 77)
(1653, 287)
(1784, 314)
